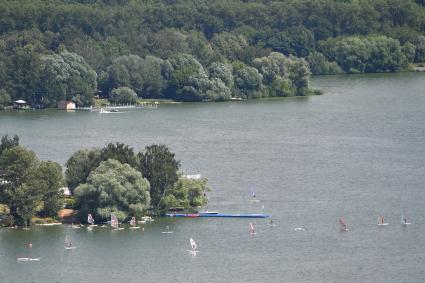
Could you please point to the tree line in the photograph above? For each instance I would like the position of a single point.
(195, 50)
(112, 179)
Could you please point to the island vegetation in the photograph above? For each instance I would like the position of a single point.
(112, 179)
(196, 50)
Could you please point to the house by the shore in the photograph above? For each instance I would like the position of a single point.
(66, 105)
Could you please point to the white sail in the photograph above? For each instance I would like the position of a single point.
(193, 244)
(251, 228)
(344, 226)
(114, 221)
(90, 219)
(133, 221)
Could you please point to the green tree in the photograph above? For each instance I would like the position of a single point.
(420, 49)
(66, 76)
(79, 166)
(186, 193)
(121, 152)
(113, 187)
(123, 95)
(4, 99)
(7, 142)
(248, 81)
(47, 179)
(159, 167)
(17, 163)
(82, 162)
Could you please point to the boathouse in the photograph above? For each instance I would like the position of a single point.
(66, 105)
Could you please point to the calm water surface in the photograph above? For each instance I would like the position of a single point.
(356, 152)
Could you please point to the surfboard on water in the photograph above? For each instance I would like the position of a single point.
(133, 223)
(271, 224)
(405, 221)
(381, 221)
(167, 231)
(68, 244)
(28, 259)
(114, 223)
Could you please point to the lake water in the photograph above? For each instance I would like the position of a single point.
(355, 152)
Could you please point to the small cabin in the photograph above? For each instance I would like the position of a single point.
(66, 105)
(20, 104)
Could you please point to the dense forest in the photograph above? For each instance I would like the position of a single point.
(194, 50)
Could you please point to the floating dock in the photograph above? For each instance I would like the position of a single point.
(225, 215)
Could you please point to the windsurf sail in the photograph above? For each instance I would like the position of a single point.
(114, 221)
(67, 242)
(253, 195)
(251, 228)
(193, 244)
(90, 219)
(343, 224)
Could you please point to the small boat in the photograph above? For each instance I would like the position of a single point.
(114, 223)
(194, 247)
(167, 230)
(251, 229)
(68, 244)
(133, 223)
(28, 259)
(344, 226)
(298, 229)
(381, 221)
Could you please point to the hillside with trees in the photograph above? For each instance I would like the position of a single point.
(197, 50)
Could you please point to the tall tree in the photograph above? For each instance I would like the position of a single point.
(113, 187)
(158, 165)
(18, 164)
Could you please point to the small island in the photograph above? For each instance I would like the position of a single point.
(102, 181)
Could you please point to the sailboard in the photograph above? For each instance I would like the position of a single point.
(254, 197)
(133, 223)
(344, 226)
(167, 230)
(114, 223)
(405, 221)
(194, 247)
(271, 224)
(381, 221)
(251, 229)
(90, 221)
(68, 245)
